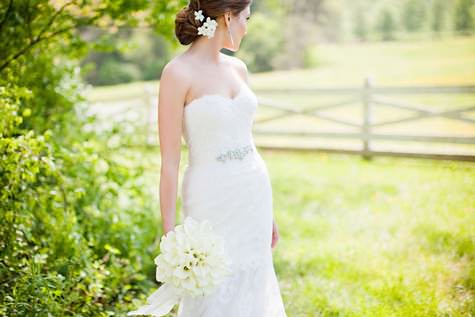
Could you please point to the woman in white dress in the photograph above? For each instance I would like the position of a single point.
(204, 96)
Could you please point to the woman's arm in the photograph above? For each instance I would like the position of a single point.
(172, 94)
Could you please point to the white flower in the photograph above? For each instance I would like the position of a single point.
(192, 258)
(199, 15)
(40, 258)
(208, 28)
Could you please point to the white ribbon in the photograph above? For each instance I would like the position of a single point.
(159, 302)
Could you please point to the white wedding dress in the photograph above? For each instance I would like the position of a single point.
(227, 182)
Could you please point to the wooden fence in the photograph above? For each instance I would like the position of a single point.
(369, 97)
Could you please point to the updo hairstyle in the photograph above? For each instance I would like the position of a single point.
(186, 27)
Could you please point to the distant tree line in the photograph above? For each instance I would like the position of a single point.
(413, 16)
(281, 33)
(133, 54)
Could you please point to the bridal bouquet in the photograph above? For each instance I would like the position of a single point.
(192, 262)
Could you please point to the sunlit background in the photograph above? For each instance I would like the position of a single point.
(366, 121)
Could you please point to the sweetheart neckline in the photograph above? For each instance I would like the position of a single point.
(241, 90)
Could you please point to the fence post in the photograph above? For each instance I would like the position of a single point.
(367, 112)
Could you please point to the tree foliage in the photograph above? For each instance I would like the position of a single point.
(77, 220)
(438, 15)
(360, 29)
(386, 25)
(261, 46)
(414, 15)
(463, 18)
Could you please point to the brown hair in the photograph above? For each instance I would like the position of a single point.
(186, 27)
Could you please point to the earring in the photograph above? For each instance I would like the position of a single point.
(229, 33)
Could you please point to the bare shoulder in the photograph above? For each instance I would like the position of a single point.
(176, 70)
(175, 81)
(240, 67)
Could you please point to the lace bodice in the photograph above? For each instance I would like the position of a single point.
(218, 128)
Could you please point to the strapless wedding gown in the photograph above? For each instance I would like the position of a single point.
(227, 182)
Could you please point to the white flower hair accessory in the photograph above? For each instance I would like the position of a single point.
(199, 15)
(209, 26)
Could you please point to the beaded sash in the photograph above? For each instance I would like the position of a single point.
(235, 154)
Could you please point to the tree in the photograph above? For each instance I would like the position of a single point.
(414, 14)
(464, 16)
(360, 29)
(299, 23)
(438, 15)
(262, 43)
(386, 25)
(137, 54)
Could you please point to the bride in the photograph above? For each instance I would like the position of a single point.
(204, 95)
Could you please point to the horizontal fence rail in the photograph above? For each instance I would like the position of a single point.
(369, 98)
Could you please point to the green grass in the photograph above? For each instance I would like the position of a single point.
(448, 61)
(391, 237)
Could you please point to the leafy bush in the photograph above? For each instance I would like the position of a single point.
(76, 223)
(114, 72)
(130, 55)
(78, 231)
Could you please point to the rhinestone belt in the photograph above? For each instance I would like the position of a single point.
(238, 153)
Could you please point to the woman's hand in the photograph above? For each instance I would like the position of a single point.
(275, 234)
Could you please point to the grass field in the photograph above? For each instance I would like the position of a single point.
(439, 62)
(391, 237)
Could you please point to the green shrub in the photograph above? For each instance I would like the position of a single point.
(114, 72)
(76, 223)
(78, 229)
